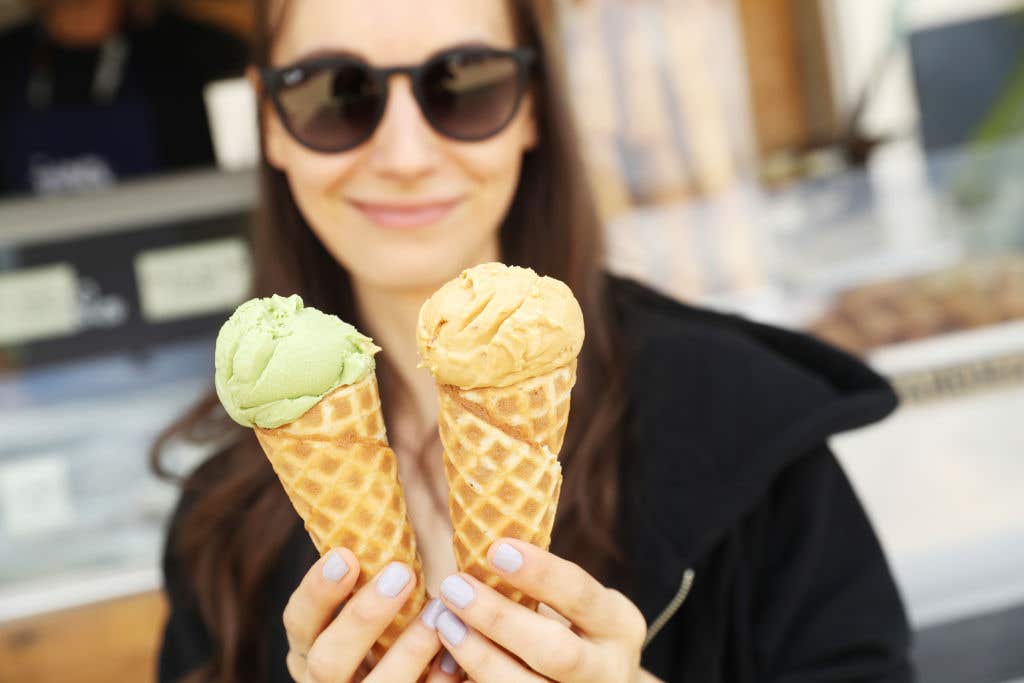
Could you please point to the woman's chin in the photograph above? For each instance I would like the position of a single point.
(416, 266)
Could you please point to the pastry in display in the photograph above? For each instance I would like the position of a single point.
(980, 292)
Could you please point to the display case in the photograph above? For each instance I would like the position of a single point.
(109, 304)
(924, 277)
(915, 263)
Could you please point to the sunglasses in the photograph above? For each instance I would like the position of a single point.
(334, 104)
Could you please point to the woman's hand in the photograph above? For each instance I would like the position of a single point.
(602, 643)
(324, 648)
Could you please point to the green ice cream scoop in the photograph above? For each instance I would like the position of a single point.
(276, 359)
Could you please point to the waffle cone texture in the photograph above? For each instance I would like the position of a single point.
(500, 458)
(341, 476)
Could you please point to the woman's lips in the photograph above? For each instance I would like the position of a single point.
(391, 215)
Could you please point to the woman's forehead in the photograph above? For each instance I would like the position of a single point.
(388, 31)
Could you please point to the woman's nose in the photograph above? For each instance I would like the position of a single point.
(405, 147)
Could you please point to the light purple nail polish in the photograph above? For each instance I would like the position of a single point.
(451, 628)
(506, 558)
(393, 579)
(431, 612)
(448, 663)
(335, 567)
(456, 589)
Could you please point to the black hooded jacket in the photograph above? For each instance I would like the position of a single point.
(751, 556)
(735, 503)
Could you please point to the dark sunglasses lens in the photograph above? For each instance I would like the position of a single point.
(471, 95)
(331, 109)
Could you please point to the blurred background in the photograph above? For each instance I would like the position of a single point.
(847, 167)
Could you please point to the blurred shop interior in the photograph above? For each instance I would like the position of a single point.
(850, 168)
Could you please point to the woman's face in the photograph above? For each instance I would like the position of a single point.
(408, 208)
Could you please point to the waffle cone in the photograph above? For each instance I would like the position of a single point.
(501, 459)
(342, 478)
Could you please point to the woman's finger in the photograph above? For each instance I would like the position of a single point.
(481, 659)
(547, 612)
(545, 645)
(314, 603)
(412, 653)
(342, 646)
(598, 611)
(296, 664)
(444, 669)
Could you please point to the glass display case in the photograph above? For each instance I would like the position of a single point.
(933, 296)
(109, 304)
(917, 264)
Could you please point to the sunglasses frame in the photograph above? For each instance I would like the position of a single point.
(276, 79)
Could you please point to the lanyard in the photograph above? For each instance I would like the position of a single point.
(106, 78)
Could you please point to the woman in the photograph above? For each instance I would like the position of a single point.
(705, 532)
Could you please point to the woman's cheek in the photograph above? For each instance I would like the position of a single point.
(499, 185)
(326, 174)
(318, 184)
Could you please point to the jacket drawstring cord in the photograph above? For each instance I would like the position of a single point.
(671, 608)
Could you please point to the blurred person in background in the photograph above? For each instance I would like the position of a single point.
(100, 90)
(401, 146)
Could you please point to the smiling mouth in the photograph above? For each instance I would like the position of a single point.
(392, 215)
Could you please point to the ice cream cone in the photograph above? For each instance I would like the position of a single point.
(502, 344)
(305, 382)
(336, 467)
(500, 458)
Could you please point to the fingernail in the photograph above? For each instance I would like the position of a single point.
(506, 558)
(431, 612)
(393, 579)
(451, 627)
(335, 567)
(456, 589)
(448, 663)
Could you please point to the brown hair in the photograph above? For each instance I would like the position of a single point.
(235, 508)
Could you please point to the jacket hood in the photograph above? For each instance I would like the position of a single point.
(720, 406)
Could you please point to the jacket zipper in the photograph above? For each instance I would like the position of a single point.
(685, 584)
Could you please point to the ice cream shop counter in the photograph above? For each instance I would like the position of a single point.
(108, 308)
(917, 265)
